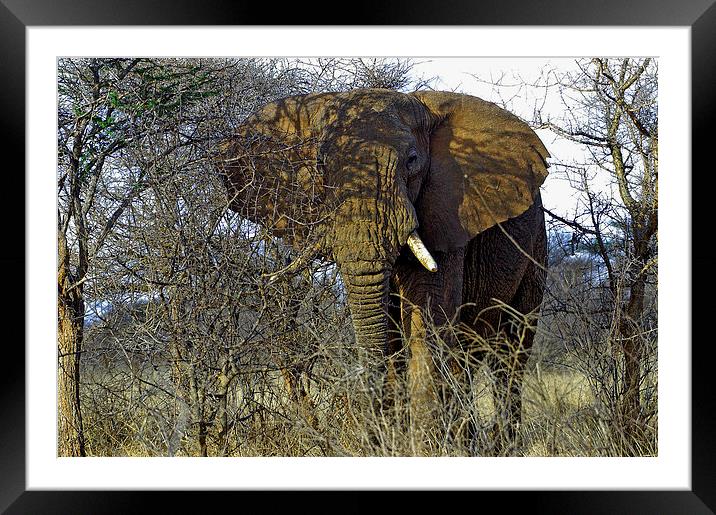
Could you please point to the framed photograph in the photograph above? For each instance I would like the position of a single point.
(512, 125)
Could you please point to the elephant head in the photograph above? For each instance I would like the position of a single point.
(361, 175)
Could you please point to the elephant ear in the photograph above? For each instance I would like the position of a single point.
(486, 166)
(269, 165)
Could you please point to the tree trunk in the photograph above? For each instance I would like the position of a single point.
(632, 341)
(70, 305)
(632, 348)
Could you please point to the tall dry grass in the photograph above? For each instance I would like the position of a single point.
(335, 401)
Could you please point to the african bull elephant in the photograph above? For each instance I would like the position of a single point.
(433, 196)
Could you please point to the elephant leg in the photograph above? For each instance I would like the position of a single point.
(497, 269)
(459, 405)
(428, 301)
(421, 372)
(508, 363)
(507, 371)
(480, 322)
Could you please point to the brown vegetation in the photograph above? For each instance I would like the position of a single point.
(183, 332)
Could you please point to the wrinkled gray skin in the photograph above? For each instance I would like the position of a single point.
(378, 165)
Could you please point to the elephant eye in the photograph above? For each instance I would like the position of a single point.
(412, 160)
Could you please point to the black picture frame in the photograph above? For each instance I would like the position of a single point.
(17, 15)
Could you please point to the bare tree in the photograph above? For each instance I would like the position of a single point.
(343, 74)
(200, 333)
(162, 291)
(612, 114)
(105, 107)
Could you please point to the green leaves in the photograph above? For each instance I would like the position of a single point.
(113, 99)
(103, 123)
(160, 90)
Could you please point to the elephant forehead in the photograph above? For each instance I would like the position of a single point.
(377, 104)
(373, 97)
(365, 142)
(295, 116)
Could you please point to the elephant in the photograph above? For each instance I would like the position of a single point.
(430, 197)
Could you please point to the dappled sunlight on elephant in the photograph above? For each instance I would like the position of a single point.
(426, 201)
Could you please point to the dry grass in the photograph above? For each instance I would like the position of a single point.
(130, 411)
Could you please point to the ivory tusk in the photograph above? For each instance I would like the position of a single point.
(417, 247)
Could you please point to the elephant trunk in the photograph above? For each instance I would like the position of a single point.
(367, 277)
(373, 221)
(367, 296)
(367, 243)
